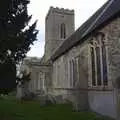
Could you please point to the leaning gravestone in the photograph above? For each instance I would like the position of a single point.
(42, 99)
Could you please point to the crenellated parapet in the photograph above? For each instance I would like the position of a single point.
(60, 10)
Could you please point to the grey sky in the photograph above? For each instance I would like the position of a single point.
(83, 10)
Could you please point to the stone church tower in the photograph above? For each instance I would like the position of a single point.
(59, 24)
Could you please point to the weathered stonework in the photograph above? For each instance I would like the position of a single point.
(40, 75)
(69, 77)
(75, 94)
(113, 36)
(62, 86)
(54, 19)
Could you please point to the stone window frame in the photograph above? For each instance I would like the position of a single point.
(41, 79)
(73, 71)
(58, 74)
(37, 79)
(95, 43)
(69, 67)
(70, 64)
(38, 86)
(62, 31)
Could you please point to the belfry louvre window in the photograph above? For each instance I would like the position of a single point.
(98, 61)
(62, 31)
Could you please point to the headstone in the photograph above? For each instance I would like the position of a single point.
(80, 102)
(47, 99)
(59, 99)
(42, 99)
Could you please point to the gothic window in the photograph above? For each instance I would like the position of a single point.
(42, 79)
(37, 78)
(98, 61)
(38, 81)
(93, 66)
(62, 31)
(104, 63)
(58, 75)
(73, 72)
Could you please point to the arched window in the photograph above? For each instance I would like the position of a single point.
(99, 60)
(62, 31)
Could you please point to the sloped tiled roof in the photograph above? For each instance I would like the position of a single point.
(105, 13)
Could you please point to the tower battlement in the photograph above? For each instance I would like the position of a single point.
(60, 10)
(59, 24)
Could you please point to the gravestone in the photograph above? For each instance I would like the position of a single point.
(59, 99)
(46, 100)
(42, 99)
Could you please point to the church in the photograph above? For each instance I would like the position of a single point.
(81, 66)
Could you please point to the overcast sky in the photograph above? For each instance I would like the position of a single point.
(83, 10)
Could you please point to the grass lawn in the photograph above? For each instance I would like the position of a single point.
(11, 110)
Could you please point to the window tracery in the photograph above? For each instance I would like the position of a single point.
(98, 60)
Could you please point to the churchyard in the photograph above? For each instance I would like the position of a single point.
(11, 109)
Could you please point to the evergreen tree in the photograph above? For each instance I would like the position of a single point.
(16, 36)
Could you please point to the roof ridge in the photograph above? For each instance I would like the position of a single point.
(109, 11)
(74, 32)
(107, 6)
